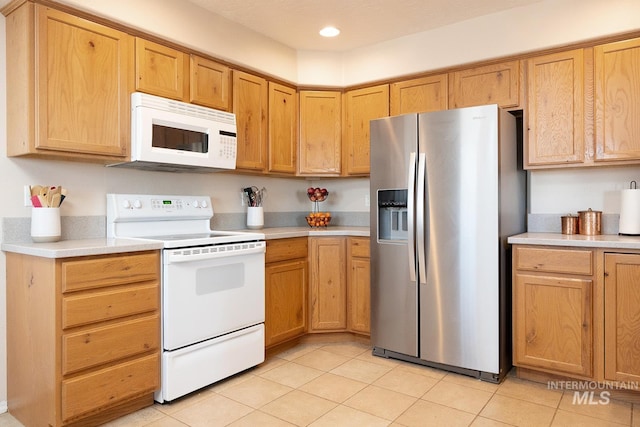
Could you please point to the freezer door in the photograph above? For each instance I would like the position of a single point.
(394, 292)
(459, 300)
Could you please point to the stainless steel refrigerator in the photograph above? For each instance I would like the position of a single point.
(447, 189)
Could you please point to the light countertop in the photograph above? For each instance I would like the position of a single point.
(612, 241)
(286, 232)
(81, 247)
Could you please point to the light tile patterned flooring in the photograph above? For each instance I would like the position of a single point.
(342, 384)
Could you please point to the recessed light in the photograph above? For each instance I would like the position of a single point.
(329, 32)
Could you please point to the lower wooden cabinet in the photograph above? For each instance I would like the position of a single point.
(286, 275)
(358, 285)
(622, 317)
(83, 337)
(553, 309)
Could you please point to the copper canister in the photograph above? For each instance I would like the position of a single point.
(569, 224)
(590, 222)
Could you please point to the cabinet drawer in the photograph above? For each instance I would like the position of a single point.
(359, 247)
(93, 347)
(109, 386)
(283, 249)
(106, 305)
(107, 271)
(569, 261)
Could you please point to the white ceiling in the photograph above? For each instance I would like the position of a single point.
(296, 23)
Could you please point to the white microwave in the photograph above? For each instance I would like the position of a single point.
(175, 136)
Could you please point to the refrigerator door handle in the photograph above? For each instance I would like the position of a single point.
(421, 218)
(411, 194)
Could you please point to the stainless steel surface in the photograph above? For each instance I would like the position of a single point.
(470, 196)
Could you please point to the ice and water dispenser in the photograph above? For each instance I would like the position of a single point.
(392, 214)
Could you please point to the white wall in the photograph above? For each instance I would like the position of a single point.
(506, 33)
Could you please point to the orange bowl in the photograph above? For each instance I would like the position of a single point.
(318, 221)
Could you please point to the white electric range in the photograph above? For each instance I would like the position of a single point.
(213, 303)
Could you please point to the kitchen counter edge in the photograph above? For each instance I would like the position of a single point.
(81, 247)
(609, 241)
(287, 232)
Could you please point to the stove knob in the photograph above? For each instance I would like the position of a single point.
(137, 204)
(203, 203)
(196, 204)
(126, 204)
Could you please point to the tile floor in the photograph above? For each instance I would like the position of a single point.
(342, 384)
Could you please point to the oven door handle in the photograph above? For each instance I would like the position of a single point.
(172, 256)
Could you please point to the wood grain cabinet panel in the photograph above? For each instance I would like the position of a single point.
(359, 283)
(617, 95)
(283, 129)
(419, 95)
(489, 84)
(68, 88)
(161, 70)
(554, 128)
(209, 83)
(553, 323)
(320, 133)
(250, 105)
(360, 107)
(328, 284)
(622, 317)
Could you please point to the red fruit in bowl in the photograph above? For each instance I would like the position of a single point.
(310, 190)
(324, 191)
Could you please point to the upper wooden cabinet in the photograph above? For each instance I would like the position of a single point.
(210, 83)
(490, 84)
(360, 107)
(320, 132)
(283, 128)
(419, 95)
(161, 70)
(617, 101)
(68, 88)
(250, 104)
(554, 123)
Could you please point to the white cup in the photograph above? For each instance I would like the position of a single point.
(45, 224)
(255, 217)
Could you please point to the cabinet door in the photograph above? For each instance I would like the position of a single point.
(250, 103)
(283, 128)
(161, 70)
(490, 84)
(320, 132)
(419, 95)
(286, 301)
(617, 80)
(622, 317)
(361, 106)
(328, 283)
(553, 323)
(83, 86)
(359, 282)
(555, 125)
(209, 83)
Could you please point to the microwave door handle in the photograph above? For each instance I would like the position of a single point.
(411, 193)
(421, 218)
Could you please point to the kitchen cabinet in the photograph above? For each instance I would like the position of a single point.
(83, 337)
(68, 86)
(209, 83)
(420, 95)
(285, 289)
(553, 318)
(283, 128)
(622, 317)
(358, 285)
(250, 104)
(161, 70)
(320, 133)
(488, 84)
(554, 123)
(617, 101)
(327, 284)
(360, 107)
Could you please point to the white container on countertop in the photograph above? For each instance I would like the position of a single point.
(255, 217)
(45, 224)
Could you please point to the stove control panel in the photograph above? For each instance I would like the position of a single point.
(123, 207)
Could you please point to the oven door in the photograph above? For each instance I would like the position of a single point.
(211, 291)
